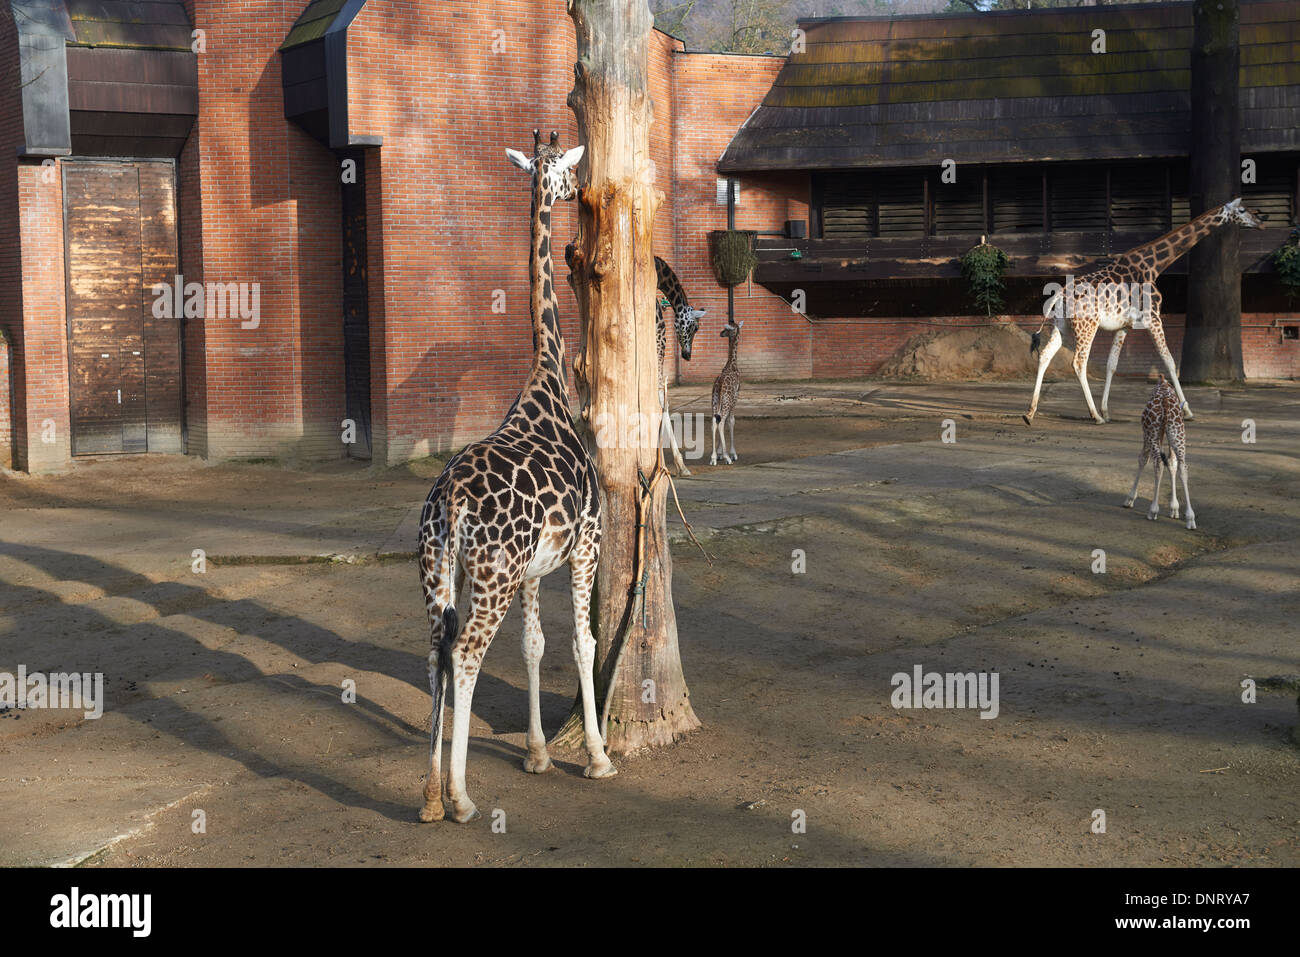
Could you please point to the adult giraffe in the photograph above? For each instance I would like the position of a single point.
(1116, 295)
(506, 511)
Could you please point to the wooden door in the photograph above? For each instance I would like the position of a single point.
(124, 364)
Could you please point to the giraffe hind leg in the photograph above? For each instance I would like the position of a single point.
(1112, 363)
(1045, 355)
(583, 564)
(1142, 464)
(488, 604)
(537, 760)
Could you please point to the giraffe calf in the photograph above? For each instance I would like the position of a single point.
(1162, 420)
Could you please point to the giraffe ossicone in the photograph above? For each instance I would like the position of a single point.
(506, 511)
(1137, 268)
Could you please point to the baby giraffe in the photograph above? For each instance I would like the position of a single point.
(1162, 420)
(725, 389)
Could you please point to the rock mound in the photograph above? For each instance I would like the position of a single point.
(999, 350)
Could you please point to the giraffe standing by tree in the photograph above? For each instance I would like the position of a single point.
(506, 511)
(1162, 420)
(686, 322)
(1121, 295)
(726, 388)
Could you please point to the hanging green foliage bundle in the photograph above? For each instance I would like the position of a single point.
(1286, 260)
(732, 254)
(982, 267)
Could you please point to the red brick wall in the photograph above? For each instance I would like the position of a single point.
(713, 95)
(260, 204)
(6, 413)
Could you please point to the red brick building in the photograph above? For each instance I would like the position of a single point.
(328, 179)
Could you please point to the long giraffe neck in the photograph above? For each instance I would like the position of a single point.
(548, 342)
(733, 343)
(1159, 254)
(670, 286)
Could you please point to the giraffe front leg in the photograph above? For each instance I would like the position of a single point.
(713, 437)
(582, 568)
(1045, 355)
(1112, 363)
(1081, 370)
(678, 463)
(537, 760)
(1162, 347)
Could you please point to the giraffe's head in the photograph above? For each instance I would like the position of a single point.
(732, 329)
(554, 165)
(1234, 212)
(687, 323)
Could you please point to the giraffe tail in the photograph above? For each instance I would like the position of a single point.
(1035, 341)
(445, 593)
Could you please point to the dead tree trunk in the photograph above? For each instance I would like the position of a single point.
(1212, 340)
(639, 681)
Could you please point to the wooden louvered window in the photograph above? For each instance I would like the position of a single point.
(1077, 197)
(1016, 196)
(959, 206)
(1137, 198)
(867, 204)
(901, 203)
(1181, 211)
(848, 206)
(1273, 192)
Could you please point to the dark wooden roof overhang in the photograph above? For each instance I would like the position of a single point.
(106, 78)
(1013, 86)
(314, 73)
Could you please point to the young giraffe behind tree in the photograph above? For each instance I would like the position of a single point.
(725, 390)
(506, 511)
(1162, 420)
(686, 322)
(1104, 298)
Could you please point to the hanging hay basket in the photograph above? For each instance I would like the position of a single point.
(732, 253)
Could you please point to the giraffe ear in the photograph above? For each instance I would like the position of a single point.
(569, 158)
(520, 160)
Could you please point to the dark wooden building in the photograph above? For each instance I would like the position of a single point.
(1062, 135)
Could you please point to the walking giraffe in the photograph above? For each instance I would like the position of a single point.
(1116, 295)
(506, 511)
(686, 322)
(725, 390)
(1162, 420)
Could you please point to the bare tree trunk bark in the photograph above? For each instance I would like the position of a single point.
(639, 680)
(1212, 340)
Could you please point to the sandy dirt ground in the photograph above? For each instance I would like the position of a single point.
(1119, 692)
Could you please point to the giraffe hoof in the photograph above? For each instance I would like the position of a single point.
(1128, 503)
(538, 764)
(602, 769)
(466, 814)
(1191, 523)
(684, 471)
(432, 811)
(1153, 515)
(1029, 420)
